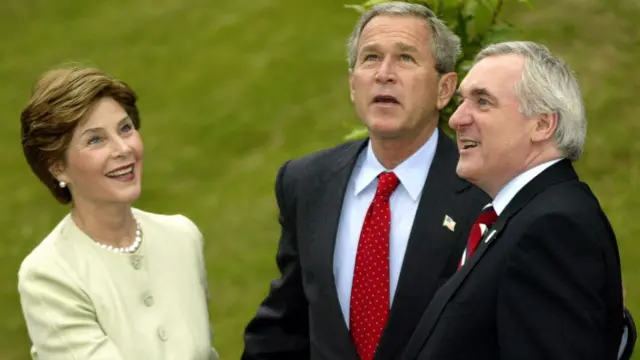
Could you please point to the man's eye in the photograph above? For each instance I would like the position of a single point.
(405, 57)
(483, 102)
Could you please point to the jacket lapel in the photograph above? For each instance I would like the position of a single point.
(429, 250)
(562, 171)
(330, 189)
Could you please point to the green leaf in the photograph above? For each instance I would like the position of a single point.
(462, 29)
(528, 3)
(372, 3)
(500, 32)
(439, 8)
(452, 3)
(432, 5)
(483, 13)
(450, 8)
(358, 133)
(356, 7)
(486, 3)
(465, 65)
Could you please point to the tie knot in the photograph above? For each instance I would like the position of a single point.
(387, 183)
(488, 216)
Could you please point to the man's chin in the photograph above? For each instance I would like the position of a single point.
(386, 134)
(465, 170)
(386, 128)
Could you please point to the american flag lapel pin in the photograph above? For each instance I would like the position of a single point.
(449, 223)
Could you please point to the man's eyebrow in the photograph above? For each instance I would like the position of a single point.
(369, 48)
(406, 47)
(399, 45)
(482, 92)
(477, 92)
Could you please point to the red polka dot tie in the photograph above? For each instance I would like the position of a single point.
(484, 221)
(370, 290)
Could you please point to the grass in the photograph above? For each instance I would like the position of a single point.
(230, 91)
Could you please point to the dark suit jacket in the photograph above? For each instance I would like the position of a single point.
(545, 283)
(301, 318)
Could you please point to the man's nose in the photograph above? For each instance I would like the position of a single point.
(386, 72)
(459, 118)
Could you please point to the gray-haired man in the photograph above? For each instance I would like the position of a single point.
(372, 228)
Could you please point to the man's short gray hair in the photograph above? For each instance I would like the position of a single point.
(445, 45)
(548, 86)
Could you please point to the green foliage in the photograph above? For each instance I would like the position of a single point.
(476, 22)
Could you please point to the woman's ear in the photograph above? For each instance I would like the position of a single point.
(57, 169)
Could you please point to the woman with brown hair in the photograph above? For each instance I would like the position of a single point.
(110, 281)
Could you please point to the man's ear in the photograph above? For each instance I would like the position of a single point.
(351, 88)
(545, 127)
(446, 88)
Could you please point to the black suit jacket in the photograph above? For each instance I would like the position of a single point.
(545, 283)
(301, 318)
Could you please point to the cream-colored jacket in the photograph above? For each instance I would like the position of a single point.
(83, 302)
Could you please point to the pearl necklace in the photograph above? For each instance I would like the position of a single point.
(129, 249)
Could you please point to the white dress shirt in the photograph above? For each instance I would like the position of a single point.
(509, 191)
(403, 203)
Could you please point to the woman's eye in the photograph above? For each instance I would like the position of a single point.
(126, 128)
(94, 140)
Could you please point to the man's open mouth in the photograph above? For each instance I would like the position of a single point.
(385, 99)
(468, 144)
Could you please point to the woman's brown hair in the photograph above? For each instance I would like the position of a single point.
(59, 101)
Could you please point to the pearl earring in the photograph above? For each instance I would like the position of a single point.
(62, 184)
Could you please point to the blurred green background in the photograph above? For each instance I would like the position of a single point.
(230, 90)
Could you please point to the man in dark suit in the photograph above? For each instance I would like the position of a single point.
(540, 276)
(329, 202)
(356, 269)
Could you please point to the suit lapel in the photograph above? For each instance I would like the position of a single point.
(559, 172)
(330, 189)
(428, 251)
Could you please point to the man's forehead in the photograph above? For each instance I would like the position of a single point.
(504, 66)
(471, 83)
(493, 73)
(403, 26)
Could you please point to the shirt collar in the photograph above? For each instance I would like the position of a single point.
(509, 191)
(412, 172)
